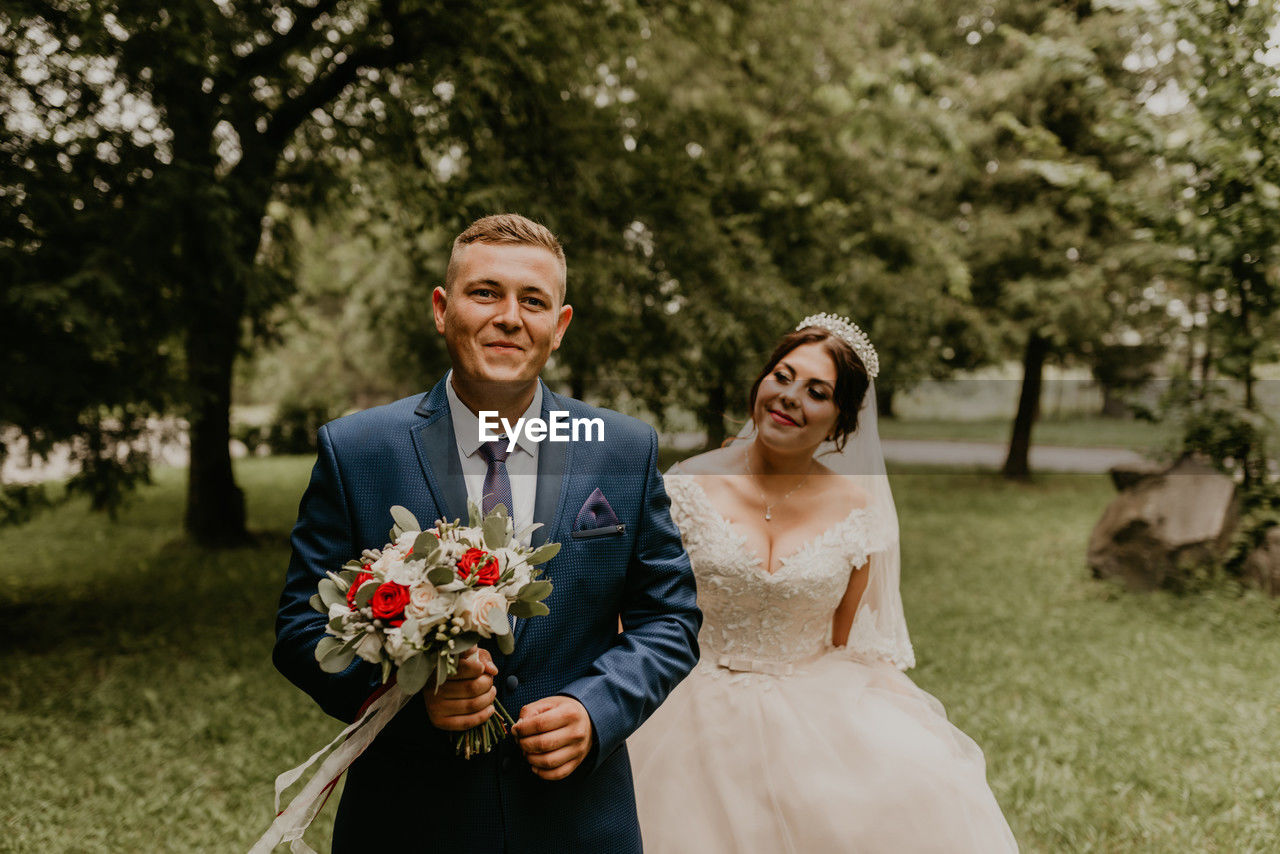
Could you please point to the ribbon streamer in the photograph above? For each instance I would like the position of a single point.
(294, 820)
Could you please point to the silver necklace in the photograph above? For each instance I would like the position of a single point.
(768, 508)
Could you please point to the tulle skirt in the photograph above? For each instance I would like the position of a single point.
(840, 756)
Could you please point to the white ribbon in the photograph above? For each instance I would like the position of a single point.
(294, 820)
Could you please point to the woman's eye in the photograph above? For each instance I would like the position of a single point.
(781, 377)
(817, 395)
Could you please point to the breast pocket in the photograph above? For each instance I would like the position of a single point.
(594, 533)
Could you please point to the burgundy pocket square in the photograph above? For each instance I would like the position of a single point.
(595, 513)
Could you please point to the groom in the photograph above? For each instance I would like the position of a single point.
(563, 783)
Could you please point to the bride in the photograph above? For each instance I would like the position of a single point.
(797, 731)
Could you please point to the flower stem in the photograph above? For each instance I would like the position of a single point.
(486, 736)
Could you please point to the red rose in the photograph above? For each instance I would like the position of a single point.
(487, 574)
(388, 602)
(355, 585)
(483, 564)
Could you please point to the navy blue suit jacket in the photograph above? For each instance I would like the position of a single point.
(408, 792)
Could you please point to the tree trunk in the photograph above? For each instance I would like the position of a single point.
(1016, 466)
(215, 505)
(1113, 404)
(884, 401)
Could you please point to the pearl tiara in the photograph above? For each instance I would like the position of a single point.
(848, 332)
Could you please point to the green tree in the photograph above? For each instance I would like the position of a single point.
(1227, 210)
(1056, 146)
(186, 120)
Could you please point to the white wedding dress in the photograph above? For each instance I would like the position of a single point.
(777, 741)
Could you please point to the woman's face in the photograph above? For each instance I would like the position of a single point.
(795, 404)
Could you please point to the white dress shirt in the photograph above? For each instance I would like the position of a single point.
(522, 462)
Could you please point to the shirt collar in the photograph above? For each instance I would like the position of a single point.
(466, 425)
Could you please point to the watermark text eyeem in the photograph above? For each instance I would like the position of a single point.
(558, 428)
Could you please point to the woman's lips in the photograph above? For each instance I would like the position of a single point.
(782, 419)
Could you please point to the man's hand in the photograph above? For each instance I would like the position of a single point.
(466, 699)
(555, 735)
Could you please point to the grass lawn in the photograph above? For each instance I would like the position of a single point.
(140, 712)
(1082, 431)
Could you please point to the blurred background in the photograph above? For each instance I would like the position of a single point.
(1059, 222)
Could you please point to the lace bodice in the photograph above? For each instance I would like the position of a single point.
(753, 620)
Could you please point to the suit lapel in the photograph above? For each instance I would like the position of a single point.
(553, 458)
(438, 455)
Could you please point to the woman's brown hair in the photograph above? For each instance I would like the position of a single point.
(852, 380)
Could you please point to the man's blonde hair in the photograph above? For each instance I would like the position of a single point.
(510, 229)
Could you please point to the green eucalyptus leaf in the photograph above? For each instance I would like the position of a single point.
(507, 643)
(338, 661)
(329, 593)
(441, 575)
(495, 529)
(405, 520)
(327, 646)
(534, 591)
(474, 516)
(365, 593)
(544, 553)
(318, 603)
(426, 545)
(537, 609)
(463, 643)
(412, 674)
(520, 609)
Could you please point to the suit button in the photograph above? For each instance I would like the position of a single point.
(512, 683)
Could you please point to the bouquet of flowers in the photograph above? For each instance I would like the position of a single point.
(415, 607)
(420, 602)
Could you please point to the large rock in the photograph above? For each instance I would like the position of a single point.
(1262, 567)
(1164, 525)
(1128, 475)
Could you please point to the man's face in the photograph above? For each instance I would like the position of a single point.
(501, 316)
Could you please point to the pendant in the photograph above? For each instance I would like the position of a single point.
(767, 514)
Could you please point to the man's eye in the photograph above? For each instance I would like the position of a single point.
(535, 301)
(482, 292)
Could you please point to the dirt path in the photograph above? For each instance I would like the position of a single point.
(991, 455)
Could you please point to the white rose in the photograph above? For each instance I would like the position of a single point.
(407, 574)
(522, 576)
(489, 612)
(464, 607)
(370, 648)
(426, 602)
(508, 558)
(350, 621)
(397, 647)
